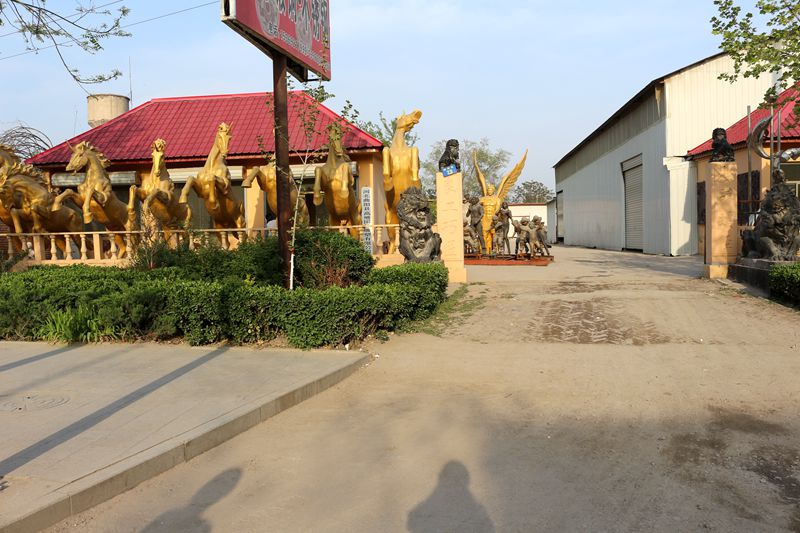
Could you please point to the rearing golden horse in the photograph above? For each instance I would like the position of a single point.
(400, 169)
(95, 196)
(213, 185)
(26, 204)
(157, 194)
(336, 180)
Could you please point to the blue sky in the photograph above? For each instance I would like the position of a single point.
(524, 74)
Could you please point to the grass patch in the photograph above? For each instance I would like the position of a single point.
(453, 312)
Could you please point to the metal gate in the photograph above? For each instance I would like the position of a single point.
(633, 175)
(560, 216)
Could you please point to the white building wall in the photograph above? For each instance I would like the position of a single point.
(552, 216)
(594, 197)
(698, 101)
(683, 206)
(520, 211)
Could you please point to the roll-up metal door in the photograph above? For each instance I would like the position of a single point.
(633, 175)
(560, 216)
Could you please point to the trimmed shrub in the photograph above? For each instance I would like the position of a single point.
(88, 304)
(329, 259)
(255, 313)
(257, 260)
(784, 282)
(432, 277)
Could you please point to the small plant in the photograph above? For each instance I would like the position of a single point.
(330, 259)
(80, 324)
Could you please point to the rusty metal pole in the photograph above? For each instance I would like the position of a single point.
(281, 112)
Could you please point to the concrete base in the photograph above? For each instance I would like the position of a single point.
(716, 271)
(754, 272)
(457, 274)
(82, 424)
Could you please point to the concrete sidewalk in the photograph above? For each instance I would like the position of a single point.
(81, 424)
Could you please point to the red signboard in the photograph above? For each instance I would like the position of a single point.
(299, 29)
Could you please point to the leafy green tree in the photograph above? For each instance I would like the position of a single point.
(763, 43)
(493, 163)
(84, 26)
(530, 192)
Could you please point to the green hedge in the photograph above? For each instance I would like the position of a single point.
(784, 282)
(322, 259)
(81, 303)
(432, 277)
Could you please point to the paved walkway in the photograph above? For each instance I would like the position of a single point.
(606, 392)
(80, 424)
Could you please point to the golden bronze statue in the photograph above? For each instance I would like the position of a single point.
(158, 197)
(8, 158)
(26, 204)
(334, 183)
(400, 169)
(95, 195)
(267, 178)
(213, 185)
(491, 200)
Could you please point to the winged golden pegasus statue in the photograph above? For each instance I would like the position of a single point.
(491, 199)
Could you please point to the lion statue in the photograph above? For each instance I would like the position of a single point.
(418, 242)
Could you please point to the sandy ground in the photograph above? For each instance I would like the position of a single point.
(606, 392)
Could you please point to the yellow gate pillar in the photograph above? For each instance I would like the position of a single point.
(450, 224)
(722, 236)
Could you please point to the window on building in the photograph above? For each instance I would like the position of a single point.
(792, 173)
(749, 198)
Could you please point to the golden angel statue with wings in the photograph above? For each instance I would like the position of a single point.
(491, 200)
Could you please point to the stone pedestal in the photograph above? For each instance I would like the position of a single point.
(755, 272)
(722, 235)
(450, 224)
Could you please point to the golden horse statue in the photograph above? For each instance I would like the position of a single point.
(157, 194)
(26, 203)
(95, 196)
(491, 200)
(8, 159)
(400, 169)
(334, 183)
(213, 185)
(267, 178)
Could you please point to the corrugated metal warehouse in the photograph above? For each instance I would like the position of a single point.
(627, 185)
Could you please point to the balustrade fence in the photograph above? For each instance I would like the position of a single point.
(114, 247)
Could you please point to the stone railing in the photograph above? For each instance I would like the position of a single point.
(106, 247)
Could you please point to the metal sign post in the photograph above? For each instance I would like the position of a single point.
(296, 35)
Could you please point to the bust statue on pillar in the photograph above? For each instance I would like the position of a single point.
(722, 238)
(450, 212)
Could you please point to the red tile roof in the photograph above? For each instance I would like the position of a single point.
(189, 125)
(737, 134)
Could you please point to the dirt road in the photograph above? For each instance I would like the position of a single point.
(607, 392)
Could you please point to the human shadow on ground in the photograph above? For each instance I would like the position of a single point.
(451, 506)
(37, 357)
(190, 518)
(71, 431)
